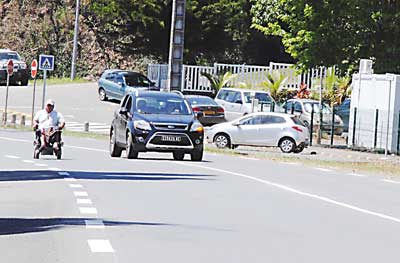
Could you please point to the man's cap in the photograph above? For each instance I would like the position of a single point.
(50, 102)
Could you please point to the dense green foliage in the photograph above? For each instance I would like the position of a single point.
(334, 32)
(129, 34)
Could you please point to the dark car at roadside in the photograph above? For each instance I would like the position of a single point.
(343, 110)
(213, 113)
(115, 83)
(153, 121)
(20, 73)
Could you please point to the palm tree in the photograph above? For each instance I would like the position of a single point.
(219, 81)
(337, 88)
(273, 84)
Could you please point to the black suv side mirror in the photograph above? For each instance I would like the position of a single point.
(199, 115)
(123, 111)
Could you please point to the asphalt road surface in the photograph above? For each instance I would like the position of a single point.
(89, 207)
(78, 103)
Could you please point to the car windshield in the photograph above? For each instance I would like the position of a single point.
(9, 55)
(201, 101)
(309, 105)
(136, 80)
(162, 105)
(261, 96)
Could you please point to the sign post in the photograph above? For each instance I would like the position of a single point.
(10, 71)
(46, 62)
(34, 66)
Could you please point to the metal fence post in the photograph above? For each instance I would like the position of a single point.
(272, 107)
(292, 111)
(376, 128)
(86, 126)
(311, 125)
(398, 136)
(353, 139)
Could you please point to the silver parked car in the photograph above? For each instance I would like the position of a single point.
(261, 129)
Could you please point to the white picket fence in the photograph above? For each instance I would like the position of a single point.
(250, 75)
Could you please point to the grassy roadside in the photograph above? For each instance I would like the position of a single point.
(376, 167)
(59, 81)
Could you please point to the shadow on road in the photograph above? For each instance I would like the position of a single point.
(13, 226)
(36, 175)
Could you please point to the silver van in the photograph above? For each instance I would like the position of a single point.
(238, 102)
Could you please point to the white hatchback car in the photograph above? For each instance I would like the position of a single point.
(238, 102)
(261, 129)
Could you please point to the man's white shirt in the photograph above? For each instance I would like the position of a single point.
(47, 120)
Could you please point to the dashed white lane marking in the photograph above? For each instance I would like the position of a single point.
(75, 185)
(94, 224)
(88, 210)
(63, 173)
(391, 181)
(100, 246)
(41, 164)
(12, 156)
(81, 194)
(81, 201)
(323, 170)
(295, 191)
(28, 161)
(70, 179)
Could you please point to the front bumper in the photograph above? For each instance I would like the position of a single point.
(19, 75)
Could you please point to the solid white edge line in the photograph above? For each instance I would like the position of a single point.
(100, 246)
(391, 181)
(292, 190)
(70, 179)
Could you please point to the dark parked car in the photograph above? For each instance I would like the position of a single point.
(21, 71)
(156, 121)
(115, 83)
(343, 110)
(212, 112)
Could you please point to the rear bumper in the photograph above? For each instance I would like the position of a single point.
(210, 120)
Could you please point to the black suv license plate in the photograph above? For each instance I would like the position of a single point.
(170, 138)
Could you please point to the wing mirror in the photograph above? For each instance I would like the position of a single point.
(236, 123)
(123, 111)
(199, 115)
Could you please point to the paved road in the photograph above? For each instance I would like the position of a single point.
(93, 208)
(78, 102)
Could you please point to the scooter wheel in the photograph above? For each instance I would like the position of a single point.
(36, 154)
(59, 154)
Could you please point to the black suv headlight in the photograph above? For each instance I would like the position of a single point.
(197, 127)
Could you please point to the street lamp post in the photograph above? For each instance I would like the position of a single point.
(176, 45)
(75, 48)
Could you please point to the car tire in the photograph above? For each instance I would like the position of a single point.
(287, 145)
(115, 150)
(36, 153)
(130, 150)
(102, 95)
(197, 154)
(299, 149)
(178, 155)
(222, 141)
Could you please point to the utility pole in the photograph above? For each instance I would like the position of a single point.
(75, 48)
(176, 45)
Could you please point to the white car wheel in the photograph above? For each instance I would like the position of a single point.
(287, 145)
(222, 141)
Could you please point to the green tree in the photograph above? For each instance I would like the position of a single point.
(273, 84)
(334, 32)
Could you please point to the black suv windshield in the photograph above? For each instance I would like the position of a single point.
(162, 105)
(9, 55)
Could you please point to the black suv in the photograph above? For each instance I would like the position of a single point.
(156, 121)
(21, 71)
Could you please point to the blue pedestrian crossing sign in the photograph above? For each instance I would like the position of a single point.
(46, 62)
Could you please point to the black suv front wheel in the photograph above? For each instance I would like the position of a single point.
(197, 153)
(130, 148)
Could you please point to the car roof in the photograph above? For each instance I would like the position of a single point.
(6, 50)
(245, 90)
(304, 100)
(120, 71)
(197, 96)
(160, 94)
(280, 114)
